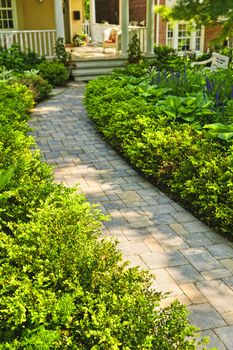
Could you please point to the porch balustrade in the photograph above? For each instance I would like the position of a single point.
(98, 29)
(40, 41)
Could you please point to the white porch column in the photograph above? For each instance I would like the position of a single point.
(92, 18)
(59, 19)
(124, 18)
(157, 25)
(150, 25)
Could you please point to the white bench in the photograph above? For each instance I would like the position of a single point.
(217, 61)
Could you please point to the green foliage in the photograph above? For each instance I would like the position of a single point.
(54, 72)
(39, 86)
(134, 51)
(190, 109)
(60, 52)
(14, 58)
(205, 12)
(167, 58)
(184, 162)
(5, 177)
(222, 131)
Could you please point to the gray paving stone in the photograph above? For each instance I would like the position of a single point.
(197, 240)
(214, 341)
(136, 234)
(226, 335)
(184, 274)
(204, 316)
(193, 293)
(129, 248)
(215, 274)
(201, 259)
(166, 259)
(129, 197)
(164, 283)
(196, 226)
(164, 219)
(135, 261)
(153, 245)
(218, 294)
(221, 251)
(229, 282)
(183, 216)
(174, 243)
(215, 237)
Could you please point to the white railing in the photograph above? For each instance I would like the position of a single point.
(96, 30)
(141, 34)
(40, 41)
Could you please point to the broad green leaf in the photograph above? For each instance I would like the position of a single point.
(5, 177)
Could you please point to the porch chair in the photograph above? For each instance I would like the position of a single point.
(111, 39)
(217, 61)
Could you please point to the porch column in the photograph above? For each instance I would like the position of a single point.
(150, 25)
(92, 17)
(124, 18)
(59, 19)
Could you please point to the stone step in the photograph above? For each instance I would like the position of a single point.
(85, 70)
(98, 63)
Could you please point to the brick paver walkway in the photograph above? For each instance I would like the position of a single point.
(190, 260)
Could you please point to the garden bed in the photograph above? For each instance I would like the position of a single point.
(176, 127)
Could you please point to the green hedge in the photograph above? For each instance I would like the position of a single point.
(195, 170)
(61, 287)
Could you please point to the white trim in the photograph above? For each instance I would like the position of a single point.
(14, 16)
(150, 25)
(59, 19)
(157, 25)
(124, 27)
(92, 17)
(175, 39)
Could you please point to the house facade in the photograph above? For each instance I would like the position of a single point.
(36, 24)
(178, 36)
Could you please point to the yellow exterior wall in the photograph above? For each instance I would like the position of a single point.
(76, 25)
(33, 15)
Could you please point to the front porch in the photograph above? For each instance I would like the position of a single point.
(59, 18)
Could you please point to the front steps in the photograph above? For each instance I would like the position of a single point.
(88, 69)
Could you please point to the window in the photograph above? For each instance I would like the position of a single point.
(6, 14)
(198, 40)
(182, 39)
(170, 35)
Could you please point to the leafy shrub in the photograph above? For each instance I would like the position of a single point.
(71, 290)
(14, 58)
(60, 52)
(39, 86)
(56, 73)
(187, 164)
(167, 58)
(134, 52)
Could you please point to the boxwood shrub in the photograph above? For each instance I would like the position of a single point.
(61, 286)
(193, 169)
(56, 73)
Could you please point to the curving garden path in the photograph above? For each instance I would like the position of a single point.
(190, 260)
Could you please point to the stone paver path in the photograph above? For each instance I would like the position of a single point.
(190, 260)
